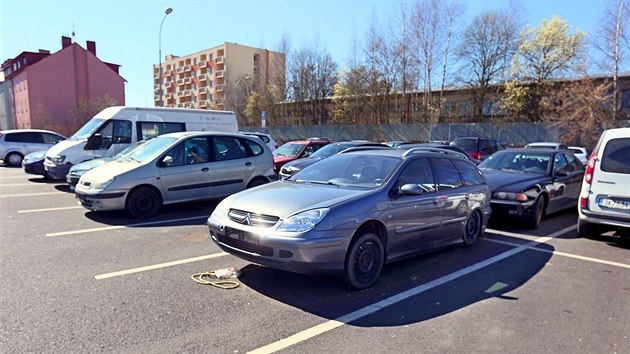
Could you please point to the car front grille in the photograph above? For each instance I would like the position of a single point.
(252, 219)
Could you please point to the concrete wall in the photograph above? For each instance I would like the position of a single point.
(6, 105)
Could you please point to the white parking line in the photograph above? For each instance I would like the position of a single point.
(370, 309)
(30, 194)
(107, 228)
(48, 209)
(27, 184)
(158, 266)
(564, 254)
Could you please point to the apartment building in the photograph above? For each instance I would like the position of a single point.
(215, 78)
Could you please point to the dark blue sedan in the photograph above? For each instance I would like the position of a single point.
(528, 184)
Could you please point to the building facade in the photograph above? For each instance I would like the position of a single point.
(215, 78)
(59, 91)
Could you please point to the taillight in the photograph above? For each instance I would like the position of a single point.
(583, 202)
(476, 155)
(590, 167)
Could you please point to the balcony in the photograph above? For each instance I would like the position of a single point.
(203, 103)
(202, 77)
(203, 90)
(218, 73)
(188, 105)
(187, 81)
(156, 97)
(202, 64)
(219, 60)
(187, 68)
(219, 101)
(187, 93)
(180, 81)
(219, 88)
(180, 94)
(180, 69)
(156, 86)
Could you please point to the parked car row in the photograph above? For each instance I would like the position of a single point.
(351, 207)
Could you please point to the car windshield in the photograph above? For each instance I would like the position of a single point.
(349, 170)
(532, 162)
(329, 150)
(289, 150)
(87, 129)
(131, 148)
(151, 149)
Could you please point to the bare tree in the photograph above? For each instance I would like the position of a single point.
(486, 43)
(613, 42)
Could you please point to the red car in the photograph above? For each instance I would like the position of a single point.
(294, 150)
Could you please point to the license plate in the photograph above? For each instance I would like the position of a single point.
(614, 204)
(243, 236)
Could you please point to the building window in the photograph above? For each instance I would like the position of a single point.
(195, 61)
(625, 99)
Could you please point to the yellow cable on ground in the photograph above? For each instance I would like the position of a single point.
(214, 280)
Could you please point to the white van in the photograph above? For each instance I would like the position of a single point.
(115, 128)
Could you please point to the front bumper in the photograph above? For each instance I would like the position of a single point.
(35, 168)
(313, 252)
(511, 208)
(56, 172)
(100, 201)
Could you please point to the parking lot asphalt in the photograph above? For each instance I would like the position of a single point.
(78, 281)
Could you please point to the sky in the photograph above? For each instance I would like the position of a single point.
(127, 32)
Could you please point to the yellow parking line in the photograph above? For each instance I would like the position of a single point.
(158, 266)
(48, 209)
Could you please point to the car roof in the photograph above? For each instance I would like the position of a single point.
(28, 131)
(179, 135)
(401, 153)
(533, 151)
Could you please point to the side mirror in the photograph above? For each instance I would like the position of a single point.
(166, 161)
(94, 142)
(410, 189)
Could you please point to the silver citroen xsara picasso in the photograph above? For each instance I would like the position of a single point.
(354, 212)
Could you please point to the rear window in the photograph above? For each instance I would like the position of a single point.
(616, 156)
(469, 144)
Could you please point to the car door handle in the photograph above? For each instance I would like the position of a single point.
(467, 196)
(205, 169)
(248, 164)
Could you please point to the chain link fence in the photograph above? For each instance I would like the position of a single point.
(511, 134)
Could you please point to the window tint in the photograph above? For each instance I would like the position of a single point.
(418, 172)
(448, 177)
(152, 129)
(468, 144)
(117, 131)
(470, 174)
(51, 138)
(196, 150)
(487, 147)
(616, 156)
(24, 137)
(560, 161)
(254, 147)
(574, 163)
(228, 148)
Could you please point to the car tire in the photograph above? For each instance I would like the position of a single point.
(538, 210)
(143, 203)
(364, 261)
(472, 229)
(14, 159)
(256, 182)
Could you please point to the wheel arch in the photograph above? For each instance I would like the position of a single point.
(146, 185)
(376, 227)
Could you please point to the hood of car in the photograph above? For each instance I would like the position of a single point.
(282, 159)
(301, 163)
(512, 181)
(284, 198)
(88, 165)
(110, 170)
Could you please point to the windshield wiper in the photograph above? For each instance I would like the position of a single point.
(329, 183)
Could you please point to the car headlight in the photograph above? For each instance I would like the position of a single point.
(101, 185)
(77, 172)
(303, 221)
(58, 159)
(520, 197)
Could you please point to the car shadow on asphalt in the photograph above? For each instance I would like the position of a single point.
(329, 297)
(183, 214)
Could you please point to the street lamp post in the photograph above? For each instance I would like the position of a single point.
(167, 11)
(247, 77)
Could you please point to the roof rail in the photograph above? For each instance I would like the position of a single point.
(363, 148)
(433, 149)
